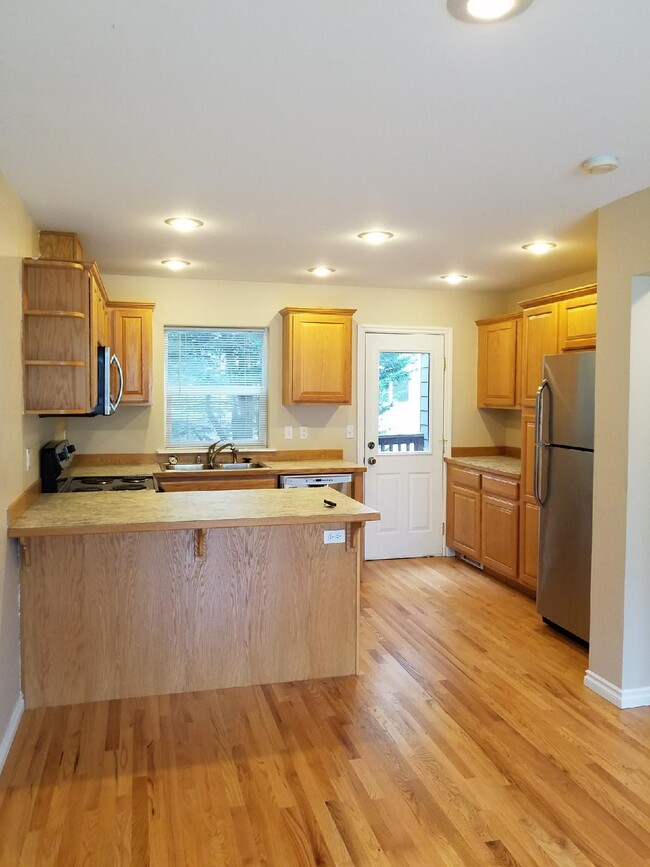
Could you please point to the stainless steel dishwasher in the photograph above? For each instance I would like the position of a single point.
(339, 481)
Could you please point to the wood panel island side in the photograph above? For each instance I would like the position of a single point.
(133, 594)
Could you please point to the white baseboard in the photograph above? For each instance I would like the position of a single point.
(10, 732)
(623, 698)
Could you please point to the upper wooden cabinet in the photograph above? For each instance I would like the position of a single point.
(65, 320)
(562, 322)
(498, 361)
(131, 327)
(577, 323)
(62, 246)
(316, 355)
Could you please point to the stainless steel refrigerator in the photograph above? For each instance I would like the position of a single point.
(564, 465)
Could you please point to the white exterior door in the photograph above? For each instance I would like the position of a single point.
(404, 443)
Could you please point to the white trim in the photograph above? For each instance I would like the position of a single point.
(12, 728)
(448, 334)
(623, 698)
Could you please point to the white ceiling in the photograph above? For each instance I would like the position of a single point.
(289, 126)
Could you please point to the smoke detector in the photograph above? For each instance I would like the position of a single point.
(600, 165)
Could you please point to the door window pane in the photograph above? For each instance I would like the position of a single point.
(403, 422)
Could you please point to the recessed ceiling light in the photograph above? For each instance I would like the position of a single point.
(600, 165)
(321, 271)
(175, 264)
(184, 224)
(539, 247)
(375, 237)
(486, 11)
(453, 278)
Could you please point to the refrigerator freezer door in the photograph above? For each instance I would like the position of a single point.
(564, 579)
(568, 406)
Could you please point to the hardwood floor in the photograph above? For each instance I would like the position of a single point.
(468, 739)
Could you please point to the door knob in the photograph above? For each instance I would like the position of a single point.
(372, 461)
(371, 445)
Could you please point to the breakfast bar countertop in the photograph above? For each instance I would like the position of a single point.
(148, 511)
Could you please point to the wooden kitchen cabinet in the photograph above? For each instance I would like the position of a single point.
(539, 339)
(464, 512)
(316, 355)
(577, 323)
(60, 368)
(258, 483)
(65, 320)
(131, 341)
(500, 525)
(62, 246)
(483, 519)
(499, 347)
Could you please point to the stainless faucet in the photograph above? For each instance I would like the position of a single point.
(215, 448)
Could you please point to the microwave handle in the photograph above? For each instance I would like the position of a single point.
(113, 406)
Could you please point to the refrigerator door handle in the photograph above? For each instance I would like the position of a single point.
(539, 443)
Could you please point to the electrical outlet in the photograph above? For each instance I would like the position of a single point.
(288, 432)
(28, 459)
(333, 537)
(304, 431)
(349, 432)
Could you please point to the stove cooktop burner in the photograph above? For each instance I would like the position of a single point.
(83, 484)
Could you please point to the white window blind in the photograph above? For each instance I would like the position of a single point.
(215, 386)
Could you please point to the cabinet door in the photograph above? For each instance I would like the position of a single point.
(464, 521)
(131, 328)
(577, 324)
(527, 452)
(540, 339)
(529, 543)
(499, 534)
(316, 356)
(497, 364)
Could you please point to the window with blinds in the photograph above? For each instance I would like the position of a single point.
(215, 386)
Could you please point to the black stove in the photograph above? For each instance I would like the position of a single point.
(87, 484)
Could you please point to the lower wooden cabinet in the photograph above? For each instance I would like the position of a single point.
(220, 484)
(483, 519)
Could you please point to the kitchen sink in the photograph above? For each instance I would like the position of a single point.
(204, 468)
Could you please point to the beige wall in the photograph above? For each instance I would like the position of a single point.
(620, 616)
(17, 239)
(202, 302)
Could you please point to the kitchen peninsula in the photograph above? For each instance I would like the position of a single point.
(161, 593)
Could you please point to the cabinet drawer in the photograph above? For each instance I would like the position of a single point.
(465, 478)
(508, 488)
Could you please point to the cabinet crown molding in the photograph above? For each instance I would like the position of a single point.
(566, 295)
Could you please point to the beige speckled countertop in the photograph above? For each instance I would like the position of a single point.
(490, 464)
(147, 511)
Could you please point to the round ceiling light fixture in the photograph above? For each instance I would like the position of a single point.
(375, 237)
(600, 165)
(454, 278)
(175, 264)
(321, 271)
(539, 247)
(486, 11)
(184, 224)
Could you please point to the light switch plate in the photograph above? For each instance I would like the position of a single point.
(303, 432)
(333, 537)
(288, 432)
(349, 432)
